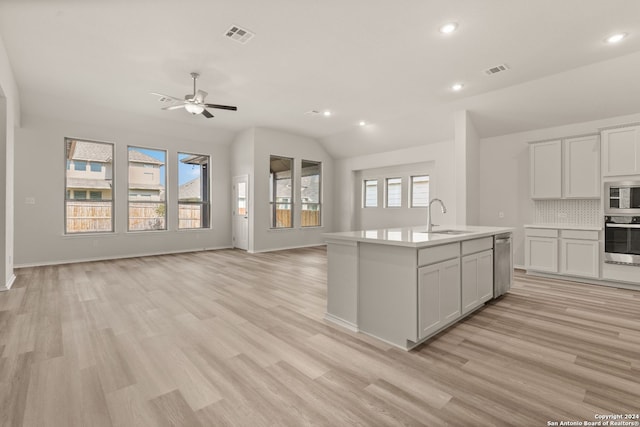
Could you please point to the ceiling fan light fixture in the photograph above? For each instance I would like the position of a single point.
(194, 108)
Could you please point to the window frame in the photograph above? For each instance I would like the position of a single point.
(205, 190)
(386, 192)
(160, 202)
(411, 190)
(318, 204)
(364, 193)
(68, 141)
(273, 202)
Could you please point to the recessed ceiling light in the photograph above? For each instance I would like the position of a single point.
(327, 113)
(448, 28)
(615, 38)
(362, 123)
(457, 87)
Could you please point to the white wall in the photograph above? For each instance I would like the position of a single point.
(242, 152)
(10, 118)
(441, 158)
(40, 172)
(504, 175)
(269, 142)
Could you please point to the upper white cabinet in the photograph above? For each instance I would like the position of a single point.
(621, 151)
(581, 170)
(568, 168)
(546, 170)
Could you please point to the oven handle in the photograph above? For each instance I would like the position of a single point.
(622, 225)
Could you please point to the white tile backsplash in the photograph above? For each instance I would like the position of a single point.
(569, 211)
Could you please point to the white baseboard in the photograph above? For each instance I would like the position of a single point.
(287, 248)
(341, 322)
(107, 258)
(9, 283)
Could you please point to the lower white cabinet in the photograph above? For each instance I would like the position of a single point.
(570, 252)
(477, 280)
(438, 296)
(579, 257)
(541, 250)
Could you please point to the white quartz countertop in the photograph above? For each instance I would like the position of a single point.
(564, 227)
(416, 237)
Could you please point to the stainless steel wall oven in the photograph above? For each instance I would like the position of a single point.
(622, 240)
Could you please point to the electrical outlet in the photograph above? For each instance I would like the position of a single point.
(500, 214)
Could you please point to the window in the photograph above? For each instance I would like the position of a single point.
(281, 192)
(93, 213)
(310, 185)
(371, 193)
(147, 191)
(193, 191)
(95, 167)
(80, 165)
(394, 192)
(420, 191)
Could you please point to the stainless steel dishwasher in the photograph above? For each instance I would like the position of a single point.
(502, 264)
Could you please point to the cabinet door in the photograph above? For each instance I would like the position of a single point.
(438, 296)
(621, 151)
(477, 280)
(485, 276)
(582, 167)
(546, 170)
(579, 257)
(541, 254)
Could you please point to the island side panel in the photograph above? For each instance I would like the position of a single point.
(342, 283)
(387, 293)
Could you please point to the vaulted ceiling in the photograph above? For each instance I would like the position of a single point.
(381, 61)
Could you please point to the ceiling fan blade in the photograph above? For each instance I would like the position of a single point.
(222, 107)
(173, 107)
(207, 114)
(200, 96)
(166, 97)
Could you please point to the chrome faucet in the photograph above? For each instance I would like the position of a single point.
(444, 210)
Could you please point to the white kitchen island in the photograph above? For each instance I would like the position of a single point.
(403, 285)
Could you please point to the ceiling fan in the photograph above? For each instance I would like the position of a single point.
(193, 103)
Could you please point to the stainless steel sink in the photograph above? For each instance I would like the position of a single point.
(452, 232)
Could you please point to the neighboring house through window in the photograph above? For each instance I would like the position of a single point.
(88, 214)
(147, 195)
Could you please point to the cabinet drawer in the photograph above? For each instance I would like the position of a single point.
(435, 254)
(580, 234)
(541, 232)
(477, 245)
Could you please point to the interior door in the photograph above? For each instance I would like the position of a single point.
(241, 212)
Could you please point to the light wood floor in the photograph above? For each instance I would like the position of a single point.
(226, 338)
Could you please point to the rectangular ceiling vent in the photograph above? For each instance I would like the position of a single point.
(239, 34)
(496, 69)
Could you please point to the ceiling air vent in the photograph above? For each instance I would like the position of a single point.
(239, 34)
(496, 69)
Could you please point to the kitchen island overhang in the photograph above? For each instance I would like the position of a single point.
(404, 285)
